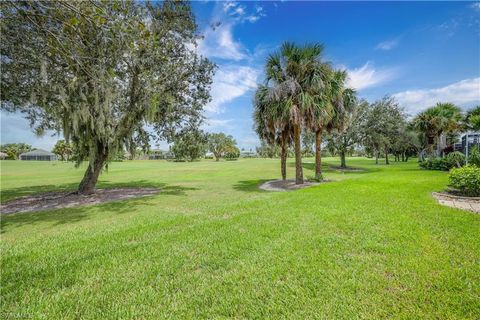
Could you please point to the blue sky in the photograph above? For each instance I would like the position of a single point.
(419, 52)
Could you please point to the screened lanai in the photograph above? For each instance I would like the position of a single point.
(39, 155)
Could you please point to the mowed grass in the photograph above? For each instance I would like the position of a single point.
(371, 244)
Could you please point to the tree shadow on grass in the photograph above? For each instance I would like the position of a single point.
(63, 216)
(250, 185)
(9, 194)
(330, 168)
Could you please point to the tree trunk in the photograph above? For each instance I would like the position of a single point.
(386, 158)
(376, 157)
(298, 155)
(89, 181)
(403, 156)
(343, 162)
(318, 154)
(283, 160)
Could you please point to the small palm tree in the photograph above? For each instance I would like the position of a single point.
(472, 119)
(320, 112)
(344, 108)
(294, 82)
(271, 125)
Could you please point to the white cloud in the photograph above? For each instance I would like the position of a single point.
(475, 6)
(231, 82)
(368, 76)
(240, 12)
(214, 124)
(387, 45)
(218, 41)
(461, 93)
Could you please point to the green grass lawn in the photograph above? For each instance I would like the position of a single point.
(371, 244)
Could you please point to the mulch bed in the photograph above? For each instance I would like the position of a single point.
(285, 185)
(57, 200)
(464, 203)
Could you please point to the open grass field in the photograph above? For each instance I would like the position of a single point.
(371, 244)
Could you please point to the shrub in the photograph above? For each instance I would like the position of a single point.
(232, 153)
(452, 160)
(455, 159)
(474, 157)
(466, 180)
(436, 164)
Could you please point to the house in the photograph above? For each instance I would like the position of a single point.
(248, 154)
(160, 155)
(467, 141)
(39, 155)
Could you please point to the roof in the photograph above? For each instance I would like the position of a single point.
(38, 152)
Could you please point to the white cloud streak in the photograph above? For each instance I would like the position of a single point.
(387, 45)
(368, 76)
(475, 6)
(462, 93)
(218, 41)
(214, 124)
(231, 82)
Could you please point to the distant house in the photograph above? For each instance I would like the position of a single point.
(160, 155)
(248, 154)
(467, 141)
(3, 155)
(38, 155)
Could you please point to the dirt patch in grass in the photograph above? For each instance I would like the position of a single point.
(285, 185)
(57, 200)
(451, 200)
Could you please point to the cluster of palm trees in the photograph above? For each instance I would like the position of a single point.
(301, 92)
(438, 125)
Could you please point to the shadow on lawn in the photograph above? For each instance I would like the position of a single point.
(330, 168)
(71, 215)
(13, 193)
(250, 185)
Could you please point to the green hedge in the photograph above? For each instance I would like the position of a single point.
(466, 180)
(452, 160)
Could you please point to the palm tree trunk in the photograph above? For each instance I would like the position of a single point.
(283, 158)
(298, 154)
(318, 154)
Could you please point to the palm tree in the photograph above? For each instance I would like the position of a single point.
(320, 112)
(271, 125)
(472, 119)
(294, 82)
(344, 102)
(436, 121)
(344, 108)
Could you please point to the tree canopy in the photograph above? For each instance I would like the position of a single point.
(98, 72)
(190, 145)
(13, 150)
(220, 143)
(63, 149)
